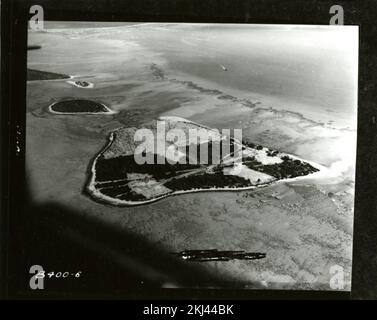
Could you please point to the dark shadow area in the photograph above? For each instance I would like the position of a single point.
(114, 264)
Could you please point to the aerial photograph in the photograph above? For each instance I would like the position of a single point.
(231, 147)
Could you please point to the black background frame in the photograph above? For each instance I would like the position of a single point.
(29, 234)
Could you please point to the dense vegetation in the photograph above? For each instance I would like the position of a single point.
(289, 168)
(206, 181)
(72, 106)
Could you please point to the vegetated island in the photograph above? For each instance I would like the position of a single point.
(117, 179)
(34, 75)
(79, 106)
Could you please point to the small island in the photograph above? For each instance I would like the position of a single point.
(79, 106)
(81, 84)
(117, 179)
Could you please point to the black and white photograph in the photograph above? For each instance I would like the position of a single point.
(230, 148)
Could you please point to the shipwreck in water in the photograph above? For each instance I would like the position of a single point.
(216, 255)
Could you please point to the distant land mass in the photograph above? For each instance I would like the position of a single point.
(117, 179)
(33, 47)
(34, 75)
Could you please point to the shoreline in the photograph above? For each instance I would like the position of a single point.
(109, 112)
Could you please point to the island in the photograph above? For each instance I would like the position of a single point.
(116, 178)
(81, 84)
(79, 106)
